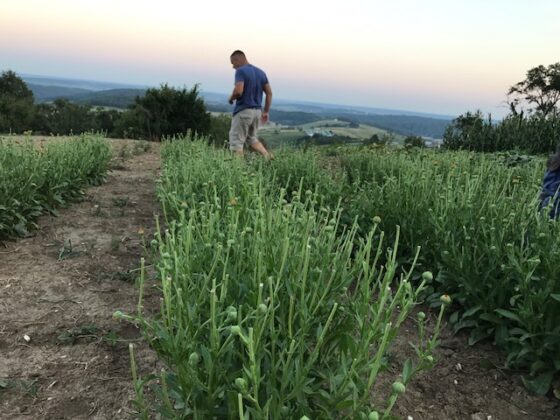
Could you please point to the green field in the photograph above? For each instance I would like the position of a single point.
(284, 283)
(280, 280)
(280, 135)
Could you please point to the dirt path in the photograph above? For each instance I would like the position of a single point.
(466, 383)
(60, 289)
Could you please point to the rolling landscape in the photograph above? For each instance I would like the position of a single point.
(289, 116)
(374, 234)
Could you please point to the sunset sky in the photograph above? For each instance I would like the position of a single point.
(434, 56)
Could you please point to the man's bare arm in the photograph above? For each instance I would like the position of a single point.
(267, 102)
(237, 92)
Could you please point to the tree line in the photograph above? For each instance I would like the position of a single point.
(160, 112)
(532, 125)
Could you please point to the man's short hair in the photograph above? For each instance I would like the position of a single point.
(237, 52)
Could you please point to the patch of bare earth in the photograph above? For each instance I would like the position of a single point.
(467, 382)
(59, 289)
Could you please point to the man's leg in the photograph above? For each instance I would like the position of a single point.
(252, 136)
(238, 133)
(259, 147)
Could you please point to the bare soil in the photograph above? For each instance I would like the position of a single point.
(467, 382)
(61, 286)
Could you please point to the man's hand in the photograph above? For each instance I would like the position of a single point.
(264, 117)
(230, 101)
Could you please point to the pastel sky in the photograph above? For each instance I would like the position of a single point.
(440, 56)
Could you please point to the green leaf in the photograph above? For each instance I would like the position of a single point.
(344, 404)
(472, 311)
(479, 334)
(539, 385)
(555, 296)
(490, 318)
(508, 314)
(407, 370)
(454, 317)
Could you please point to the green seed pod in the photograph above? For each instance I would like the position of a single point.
(231, 314)
(241, 385)
(445, 299)
(430, 359)
(376, 220)
(235, 330)
(399, 388)
(374, 415)
(118, 315)
(261, 309)
(304, 418)
(194, 358)
(154, 243)
(285, 411)
(427, 276)
(421, 316)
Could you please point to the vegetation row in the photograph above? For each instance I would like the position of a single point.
(273, 306)
(39, 177)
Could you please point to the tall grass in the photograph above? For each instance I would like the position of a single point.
(38, 177)
(476, 219)
(530, 134)
(271, 308)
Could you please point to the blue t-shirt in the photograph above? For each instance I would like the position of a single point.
(550, 189)
(254, 80)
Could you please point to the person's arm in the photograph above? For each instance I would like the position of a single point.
(267, 102)
(237, 92)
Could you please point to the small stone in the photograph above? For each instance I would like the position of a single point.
(458, 367)
(27, 338)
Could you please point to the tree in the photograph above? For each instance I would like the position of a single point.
(168, 111)
(219, 129)
(16, 103)
(374, 139)
(414, 141)
(540, 88)
(64, 117)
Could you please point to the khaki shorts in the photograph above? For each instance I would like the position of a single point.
(244, 126)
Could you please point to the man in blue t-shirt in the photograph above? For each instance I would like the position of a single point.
(250, 84)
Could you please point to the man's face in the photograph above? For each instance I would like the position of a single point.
(236, 61)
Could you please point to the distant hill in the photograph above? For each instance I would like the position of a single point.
(44, 93)
(90, 85)
(117, 98)
(285, 112)
(407, 125)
